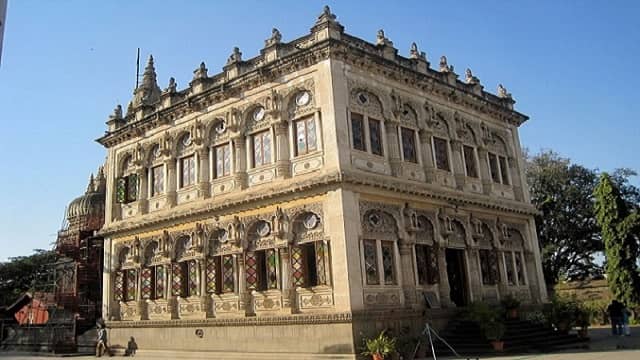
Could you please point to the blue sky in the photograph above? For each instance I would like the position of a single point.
(572, 67)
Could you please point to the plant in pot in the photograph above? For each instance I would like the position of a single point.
(563, 313)
(494, 331)
(511, 305)
(379, 347)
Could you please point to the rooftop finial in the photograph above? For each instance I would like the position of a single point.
(326, 16)
(381, 39)
(503, 93)
(235, 57)
(199, 73)
(469, 78)
(444, 66)
(117, 113)
(91, 186)
(171, 89)
(149, 92)
(149, 76)
(415, 54)
(275, 38)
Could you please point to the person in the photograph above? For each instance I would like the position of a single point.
(615, 314)
(101, 345)
(131, 347)
(625, 320)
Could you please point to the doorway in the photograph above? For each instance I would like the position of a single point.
(456, 276)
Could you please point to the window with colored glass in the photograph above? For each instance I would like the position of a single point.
(409, 145)
(261, 148)
(306, 139)
(375, 136)
(157, 180)
(470, 161)
(441, 153)
(187, 171)
(357, 132)
(223, 160)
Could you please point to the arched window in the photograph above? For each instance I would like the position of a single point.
(469, 154)
(497, 160)
(260, 135)
(409, 134)
(261, 261)
(185, 270)
(514, 259)
(125, 278)
(157, 172)
(425, 253)
(127, 181)
(440, 144)
(221, 149)
(488, 257)
(304, 122)
(366, 122)
(186, 162)
(310, 251)
(220, 267)
(152, 275)
(379, 242)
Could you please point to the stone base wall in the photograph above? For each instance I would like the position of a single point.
(319, 336)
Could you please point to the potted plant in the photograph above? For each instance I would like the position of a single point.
(511, 305)
(379, 347)
(494, 331)
(563, 313)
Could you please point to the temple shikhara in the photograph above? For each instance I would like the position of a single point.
(325, 189)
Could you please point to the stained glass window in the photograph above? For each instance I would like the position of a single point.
(305, 135)
(223, 160)
(409, 145)
(121, 190)
(159, 290)
(434, 273)
(371, 262)
(488, 267)
(192, 267)
(132, 187)
(212, 272)
(519, 269)
(262, 148)
(322, 250)
(146, 283)
(388, 265)
(131, 285)
(251, 269)
(357, 132)
(176, 280)
(297, 266)
(441, 153)
(118, 286)
(157, 179)
(187, 171)
(493, 167)
(271, 266)
(469, 161)
(228, 277)
(504, 170)
(375, 136)
(508, 256)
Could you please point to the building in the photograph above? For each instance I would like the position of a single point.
(324, 189)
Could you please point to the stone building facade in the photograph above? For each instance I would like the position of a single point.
(324, 189)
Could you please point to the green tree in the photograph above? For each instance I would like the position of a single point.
(24, 273)
(620, 228)
(567, 229)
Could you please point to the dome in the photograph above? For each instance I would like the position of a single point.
(91, 203)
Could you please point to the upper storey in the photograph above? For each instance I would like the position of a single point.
(151, 106)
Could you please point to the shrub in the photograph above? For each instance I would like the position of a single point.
(510, 302)
(382, 344)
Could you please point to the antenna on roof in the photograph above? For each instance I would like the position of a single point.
(137, 68)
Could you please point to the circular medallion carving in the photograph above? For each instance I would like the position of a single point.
(258, 113)
(375, 220)
(263, 228)
(303, 98)
(223, 236)
(310, 221)
(156, 151)
(220, 127)
(363, 98)
(186, 139)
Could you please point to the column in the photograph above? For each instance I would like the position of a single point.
(244, 298)
(171, 181)
(393, 146)
(408, 274)
(445, 289)
(458, 163)
(485, 174)
(502, 284)
(240, 156)
(140, 302)
(288, 295)
(427, 154)
(203, 172)
(143, 187)
(282, 151)
(475, 278)
(514, 176)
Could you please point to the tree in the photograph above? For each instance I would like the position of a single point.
(24, 273)
(620, 228)
(567, 229)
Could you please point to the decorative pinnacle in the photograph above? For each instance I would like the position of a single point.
(326, 16)
(92, 184)
(149, 76)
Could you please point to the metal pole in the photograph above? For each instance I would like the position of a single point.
(433, 351)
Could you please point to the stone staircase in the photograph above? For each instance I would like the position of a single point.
(520, 337)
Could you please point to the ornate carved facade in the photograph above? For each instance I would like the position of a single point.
(311, 189)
